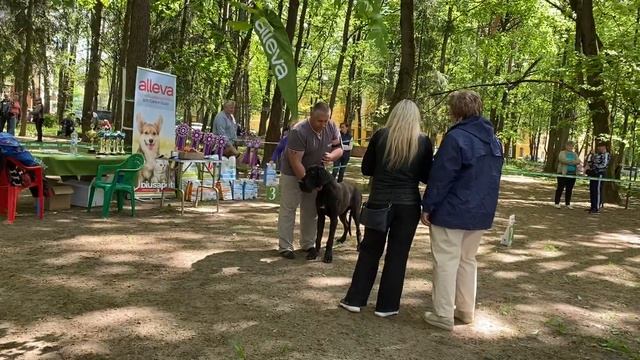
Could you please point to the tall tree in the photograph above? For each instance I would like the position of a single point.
(273, 130)
(26, 69)
(137, 52)
(408, 53)
(343, 53)
(93, 75)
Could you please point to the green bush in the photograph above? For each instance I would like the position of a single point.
(50, 121)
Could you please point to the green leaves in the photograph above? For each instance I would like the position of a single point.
(240, 25)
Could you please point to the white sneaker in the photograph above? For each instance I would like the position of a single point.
(386, 314)
(557, 206)
(569, 207)
(350, 308)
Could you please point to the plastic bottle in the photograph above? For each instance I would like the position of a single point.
(74, 142)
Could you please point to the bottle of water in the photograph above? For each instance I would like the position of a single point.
(74, 143)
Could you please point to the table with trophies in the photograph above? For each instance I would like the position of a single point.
(72, 159)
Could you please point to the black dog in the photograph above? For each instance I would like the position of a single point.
(334, 200)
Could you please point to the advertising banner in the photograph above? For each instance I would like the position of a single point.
(154, 126)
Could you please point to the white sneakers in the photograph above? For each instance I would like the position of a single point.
(350, 308)
(386, 314)
(557, 206)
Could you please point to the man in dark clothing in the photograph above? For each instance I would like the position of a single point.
(459, 205)
(5, 109)
(597, 167)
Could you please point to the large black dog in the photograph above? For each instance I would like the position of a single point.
(334, 200)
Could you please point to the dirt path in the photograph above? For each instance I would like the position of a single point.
(211, 286)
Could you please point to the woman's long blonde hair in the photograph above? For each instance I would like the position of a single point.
(404, 132)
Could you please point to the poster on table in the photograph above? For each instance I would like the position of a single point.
(154, 126)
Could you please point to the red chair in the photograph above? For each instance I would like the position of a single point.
(9, 194)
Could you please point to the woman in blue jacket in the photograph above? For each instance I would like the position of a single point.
(459, 205)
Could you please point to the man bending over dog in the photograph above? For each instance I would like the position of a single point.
(310, 142)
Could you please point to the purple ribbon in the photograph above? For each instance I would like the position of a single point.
(196, 138)
(182, 131)
(209, 142)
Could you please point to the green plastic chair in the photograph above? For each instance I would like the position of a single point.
(124, 181)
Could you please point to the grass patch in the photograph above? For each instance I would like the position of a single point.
(551, 248)
(558, 325)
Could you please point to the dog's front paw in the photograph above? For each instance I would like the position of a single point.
(328, 257)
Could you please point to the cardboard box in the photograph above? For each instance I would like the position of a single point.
(61, 198)
(80, 195)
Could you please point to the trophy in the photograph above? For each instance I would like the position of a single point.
(91, 135)
(122, 136)
(102, 142)
(112, 143)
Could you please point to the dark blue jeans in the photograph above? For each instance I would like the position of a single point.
(341, 165)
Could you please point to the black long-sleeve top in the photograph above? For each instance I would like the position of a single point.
(398, 186)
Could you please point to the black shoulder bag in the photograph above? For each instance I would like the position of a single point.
(376, 219)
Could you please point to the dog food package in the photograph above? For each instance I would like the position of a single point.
(270, 175)
(250, 190)
(227, 190)
(237, 189)
(228, 169)
(208, 194)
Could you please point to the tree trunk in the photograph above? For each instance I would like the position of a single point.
(266, 109)
(591, 48)
(93, 76)
(26, 70)
(122, 62)
(448, 29)
(343, 53)
(273, 130)
(407, 60)
(299, 41)
(137, 51)
(60, 103)
(45, 75)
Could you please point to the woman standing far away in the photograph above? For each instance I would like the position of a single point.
(398, 157)
(14, 114)
(459, 205)
(567, 165)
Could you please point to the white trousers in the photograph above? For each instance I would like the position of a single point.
(455, 269)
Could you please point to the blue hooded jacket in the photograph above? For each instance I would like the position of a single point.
(462, 191)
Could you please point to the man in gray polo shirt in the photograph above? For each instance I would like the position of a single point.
(311, 142)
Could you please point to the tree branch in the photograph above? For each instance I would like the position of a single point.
(513, 84)
(562, 10)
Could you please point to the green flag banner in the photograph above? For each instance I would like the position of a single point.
(277, 48)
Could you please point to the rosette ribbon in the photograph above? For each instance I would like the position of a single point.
(182, 131)
(221, 141)
(208, 140)
(196, 138)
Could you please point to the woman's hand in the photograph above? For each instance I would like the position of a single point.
(426, 219)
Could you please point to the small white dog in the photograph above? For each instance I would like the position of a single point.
(149, 145)
(160, 171)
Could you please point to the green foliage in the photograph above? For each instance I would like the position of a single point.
(50, 121)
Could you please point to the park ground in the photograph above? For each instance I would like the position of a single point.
(211, 286)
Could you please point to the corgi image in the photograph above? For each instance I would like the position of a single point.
(148, 145)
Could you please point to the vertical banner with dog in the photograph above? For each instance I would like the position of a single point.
(154, 126)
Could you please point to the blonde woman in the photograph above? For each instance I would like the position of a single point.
(459, 205)
(398, 158)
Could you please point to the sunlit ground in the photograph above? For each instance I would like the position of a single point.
(210, 285)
